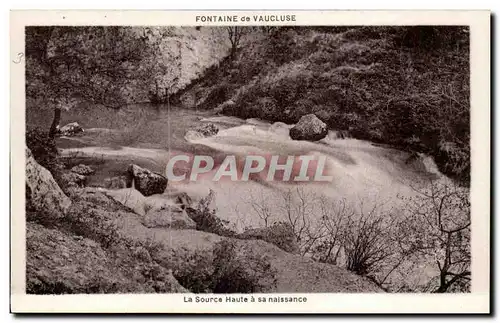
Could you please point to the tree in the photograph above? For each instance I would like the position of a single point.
(440, 231)
(268, 29)
(67, 65)
(234, 33)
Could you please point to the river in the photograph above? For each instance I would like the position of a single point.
(364, 174)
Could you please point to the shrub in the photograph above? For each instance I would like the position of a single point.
(85, 220)
(197, 273)
(431, 37)
(206, 219)
(280, 234)
(362, 33)
(366, 242)
(289, 88)
(217, 95)
(43, 148)
(233, 274)
(267, 108)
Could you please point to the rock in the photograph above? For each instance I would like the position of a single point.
(168, 217)
(208, 129)
(310, 128)
(116, 182)
(44, 194)
(82, 170)
(71, 179)
(227, 107)
(130, 198)
(98, 197)
(147, 182)
(342, 134)
(57, 263)
(279, 234)
(70, 129)
(201, 260)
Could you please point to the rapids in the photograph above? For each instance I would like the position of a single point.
(363, 173)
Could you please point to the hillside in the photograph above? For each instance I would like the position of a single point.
(403, 86)
(88, 240)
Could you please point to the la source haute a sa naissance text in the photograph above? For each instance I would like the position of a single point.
(244, 299)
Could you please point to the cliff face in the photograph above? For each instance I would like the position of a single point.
(179, 55)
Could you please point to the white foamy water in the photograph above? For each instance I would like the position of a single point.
(362, 172)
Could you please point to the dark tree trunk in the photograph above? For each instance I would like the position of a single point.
(54, 128)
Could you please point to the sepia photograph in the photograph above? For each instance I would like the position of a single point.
(247, 162)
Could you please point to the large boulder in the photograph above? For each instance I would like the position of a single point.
(310, 128)
(279, 234)
(70, 129)
(42, 192)
(168, 217)
(146, 181)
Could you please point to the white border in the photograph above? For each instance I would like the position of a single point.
(477, 301)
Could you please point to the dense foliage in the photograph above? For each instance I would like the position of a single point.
(404, 86)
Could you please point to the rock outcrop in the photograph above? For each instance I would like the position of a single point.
(58, 263)
(146, 181)
(204, 262)
(42, 192)
(71, 129)
(310, 128)
(110, 250)
(208, 129)
(184, 201)
(168, 217)
(279, 234)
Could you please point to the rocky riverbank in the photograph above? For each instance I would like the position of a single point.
(96, 240)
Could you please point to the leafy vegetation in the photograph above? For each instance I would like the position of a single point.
(404, 86)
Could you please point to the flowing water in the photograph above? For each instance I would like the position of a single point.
(363, 173)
